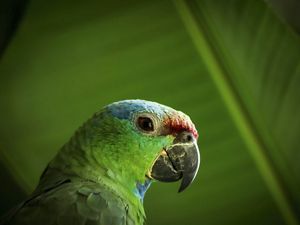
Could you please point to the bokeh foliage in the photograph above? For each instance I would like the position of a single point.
(231, 65)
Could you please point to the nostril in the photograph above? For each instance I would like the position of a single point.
(189, 138)
(184, 137)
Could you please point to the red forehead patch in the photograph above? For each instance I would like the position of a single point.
(180, 122)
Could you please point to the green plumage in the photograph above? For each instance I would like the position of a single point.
(97, 176)
(77, 202)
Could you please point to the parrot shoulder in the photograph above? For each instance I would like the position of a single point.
(78, 202)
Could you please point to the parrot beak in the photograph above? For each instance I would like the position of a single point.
(180, 160)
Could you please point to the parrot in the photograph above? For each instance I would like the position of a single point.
(101, 174)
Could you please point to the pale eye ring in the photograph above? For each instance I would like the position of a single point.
(145, 124)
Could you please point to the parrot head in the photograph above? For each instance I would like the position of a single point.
(135, 142)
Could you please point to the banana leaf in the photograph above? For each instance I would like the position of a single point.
(233, 66)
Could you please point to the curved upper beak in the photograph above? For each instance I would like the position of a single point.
(180, 160)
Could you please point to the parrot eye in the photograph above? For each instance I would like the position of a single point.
(145, 124)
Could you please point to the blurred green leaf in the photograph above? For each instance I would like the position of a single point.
(231, 65)
(231, 70)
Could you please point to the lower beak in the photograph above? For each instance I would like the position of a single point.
(180, 160)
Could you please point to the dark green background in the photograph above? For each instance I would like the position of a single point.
(233, 66)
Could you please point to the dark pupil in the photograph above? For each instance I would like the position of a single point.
(146, 124)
